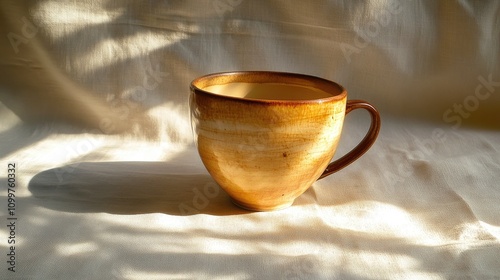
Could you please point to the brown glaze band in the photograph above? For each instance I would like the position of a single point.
(337, 91)
(364, 145)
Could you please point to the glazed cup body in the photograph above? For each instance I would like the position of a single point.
(267, 147)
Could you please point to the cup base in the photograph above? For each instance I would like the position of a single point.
(251, 207)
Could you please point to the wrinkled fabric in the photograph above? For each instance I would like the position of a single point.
(95, 117)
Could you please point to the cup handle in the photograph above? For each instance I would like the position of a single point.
(364, 145)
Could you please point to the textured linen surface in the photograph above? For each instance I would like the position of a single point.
(94, 115)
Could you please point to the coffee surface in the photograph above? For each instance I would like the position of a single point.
(268, 91)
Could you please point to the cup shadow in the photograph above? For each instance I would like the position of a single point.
(131, 188)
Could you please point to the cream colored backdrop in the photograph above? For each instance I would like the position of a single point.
(93, 108)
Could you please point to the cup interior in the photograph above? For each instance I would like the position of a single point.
(268, 86)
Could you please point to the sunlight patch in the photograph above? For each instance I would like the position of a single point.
(380, 219)
(76, 249)
(75, 16)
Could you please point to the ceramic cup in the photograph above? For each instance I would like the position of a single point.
(266, 137)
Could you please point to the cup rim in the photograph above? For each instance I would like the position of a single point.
(218, 78)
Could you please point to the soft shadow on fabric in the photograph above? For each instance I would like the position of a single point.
(130, 188)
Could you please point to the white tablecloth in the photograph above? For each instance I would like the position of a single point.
(108, 184)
